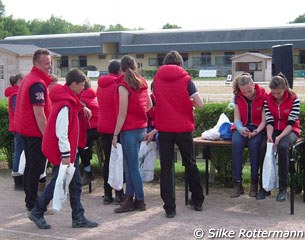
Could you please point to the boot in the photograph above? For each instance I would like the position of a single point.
(253, 189)
(238, 190)
(18, 180)
(139, 205)
(126, 206)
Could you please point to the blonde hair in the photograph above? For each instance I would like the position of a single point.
(242, 80)
(280, 82)
(132, 77)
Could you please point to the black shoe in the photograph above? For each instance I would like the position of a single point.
(118, 199)
(170, 214)
(107, 200)
(196, 207)
(262, 194)
(282, 195)
(83, 223)
(39, 221)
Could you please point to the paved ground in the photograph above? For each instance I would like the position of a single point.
(220, 213)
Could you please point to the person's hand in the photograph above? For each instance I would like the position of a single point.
(253, 134)
(65, 160)
(87, 112)
(115, 140)
(277, 141)
(150, 136)
(245, 132)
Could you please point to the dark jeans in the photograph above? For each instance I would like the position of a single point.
(18, 148)
(283, 156)
(86, 152)
(185, 143)
(107, 143)
(239, 143)
(34, 167)
(75, 189)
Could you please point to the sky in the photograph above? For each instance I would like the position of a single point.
(152, 15)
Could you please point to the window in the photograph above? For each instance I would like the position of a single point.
(102, 56)
(82, 61)
(302, 56)
(2, 72)
(152, 62)
(227, 59)
(139, 56)
(206, 59)
(64, 61)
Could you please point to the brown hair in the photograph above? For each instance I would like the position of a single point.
(15, 78)
(242, 80)
(39, 52)
(280, 82)
(173, 58)
(132, 77)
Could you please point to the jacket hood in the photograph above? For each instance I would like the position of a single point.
(105, 81)
(11, 90)
(171, 72)
(89, 93)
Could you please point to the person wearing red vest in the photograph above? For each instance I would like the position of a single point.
(89, 99)
(282, 108)
(176, 95)
(11, 93)
(33, 108)
(249, 123)
(107, 87)
(59, 145)
(133, 102)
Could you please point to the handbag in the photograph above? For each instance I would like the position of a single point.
(147, 159)
(64, 177)
(269, 177)
(115, 178)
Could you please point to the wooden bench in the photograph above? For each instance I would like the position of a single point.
(299, 145)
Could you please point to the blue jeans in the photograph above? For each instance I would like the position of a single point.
(75, 189)
(130, 141)
(239, 143)
(18, 148)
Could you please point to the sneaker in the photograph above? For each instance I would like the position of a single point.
(118, 199)
(139, 205)
(107, 200)
(196, 207)
(238, 190)
(282, 195)
(170, 214)
(262, 194)
(39, 221)
(83, 223)
(126, 206)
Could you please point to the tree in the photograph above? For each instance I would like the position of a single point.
(117, 27)
(2, 9)
(299, 19)
(170, 26)
(11, 27)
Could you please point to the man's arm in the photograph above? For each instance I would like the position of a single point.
(40, 117)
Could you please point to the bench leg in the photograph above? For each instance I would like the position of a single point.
(291, 164)
(90, 187)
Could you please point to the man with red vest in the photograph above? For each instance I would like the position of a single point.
(107, 87)
(176, 95)
(59, 145)
(32, 108)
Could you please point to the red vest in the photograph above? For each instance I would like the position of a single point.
(174, 109)
(256, 108)
(106, 91)
(10, 92)
(88, 97)
(26, 123)
(137, 103)
(61, 96)
(280, 112)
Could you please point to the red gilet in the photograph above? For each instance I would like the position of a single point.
(10, 92)
(280, 112)
(61, 96)
(88, 97)
(26, 123)
(137, 103)
(174, 109)
(256, 108)
(107, 86)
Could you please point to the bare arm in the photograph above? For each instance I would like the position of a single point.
(40, 117)
(197, 102)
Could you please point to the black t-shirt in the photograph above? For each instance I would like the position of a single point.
(37, 93)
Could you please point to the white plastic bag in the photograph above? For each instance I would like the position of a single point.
(21, 166)
(65, 175)
(147, 159)
(269, 180)
(115, 178)
(213, 133)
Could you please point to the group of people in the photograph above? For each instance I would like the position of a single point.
(57, 123)
(261, 117)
